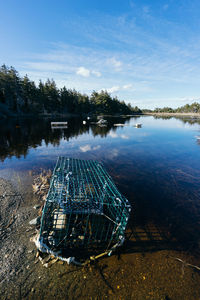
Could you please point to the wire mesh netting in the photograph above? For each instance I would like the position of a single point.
(83, 209)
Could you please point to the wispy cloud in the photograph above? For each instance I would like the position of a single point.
(115, 63)
(127, 86)
(96, 73)
(134, 61)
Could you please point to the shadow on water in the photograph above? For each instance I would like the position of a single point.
(166, 209)
(166, 214)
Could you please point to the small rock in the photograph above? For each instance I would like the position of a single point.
(46, 265)
(33, 239)
(12, 272)
(36, 206)
(35, 221)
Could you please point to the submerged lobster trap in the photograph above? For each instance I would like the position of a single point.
(84, 211)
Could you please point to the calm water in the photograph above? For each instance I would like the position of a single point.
(157, 167)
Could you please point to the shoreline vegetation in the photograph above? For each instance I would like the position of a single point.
(21, 97)
(188, 110)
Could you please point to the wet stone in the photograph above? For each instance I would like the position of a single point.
(35, 221)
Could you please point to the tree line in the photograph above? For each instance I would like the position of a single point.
(20, 95)
(188, 108)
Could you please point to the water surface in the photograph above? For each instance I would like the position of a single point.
(157, 167)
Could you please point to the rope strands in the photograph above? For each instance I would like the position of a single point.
(83, 212)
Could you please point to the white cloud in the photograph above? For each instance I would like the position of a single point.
(86, 72)
(83, 72)
(127, 86)
(113, 89)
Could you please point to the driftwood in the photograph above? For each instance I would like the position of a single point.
(185, 263)
(41, 184)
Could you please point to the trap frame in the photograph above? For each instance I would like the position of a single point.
(83, 210)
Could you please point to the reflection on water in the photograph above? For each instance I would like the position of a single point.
(18, 136)
(157, 167)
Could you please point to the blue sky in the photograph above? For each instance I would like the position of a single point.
(144, 52)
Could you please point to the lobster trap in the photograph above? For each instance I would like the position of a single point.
(84, 211)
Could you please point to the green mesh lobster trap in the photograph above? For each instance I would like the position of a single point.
(84, 211)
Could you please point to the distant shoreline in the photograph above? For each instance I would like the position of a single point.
(10, 115)
(197, 115)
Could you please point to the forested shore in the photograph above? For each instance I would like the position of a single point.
(21, 96)
(188, 109)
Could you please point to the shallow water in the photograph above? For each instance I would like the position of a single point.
(157, 167)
